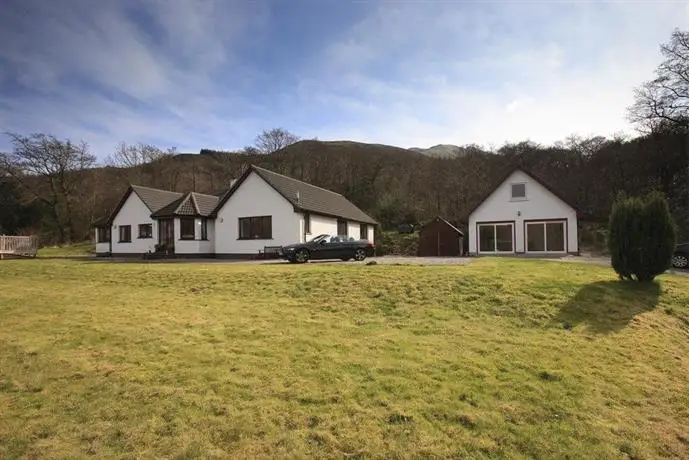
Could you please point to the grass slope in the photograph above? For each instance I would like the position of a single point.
(501, 358)
(72, 250)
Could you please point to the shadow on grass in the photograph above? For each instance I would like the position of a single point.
(608, 306)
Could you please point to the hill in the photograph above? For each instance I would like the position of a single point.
(392, 184)
(441, 150)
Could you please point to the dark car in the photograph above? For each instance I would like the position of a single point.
(327, 247)
(680, 258)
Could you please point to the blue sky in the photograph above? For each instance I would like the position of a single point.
(214, 73)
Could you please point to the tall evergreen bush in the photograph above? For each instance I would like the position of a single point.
(641, 237)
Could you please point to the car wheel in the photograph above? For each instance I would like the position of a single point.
(302, 256)
(680, 261)
(359, 255)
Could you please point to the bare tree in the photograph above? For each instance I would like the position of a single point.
(49, 169)
(270, 141)
(133, 155)
(662, 105)
(665, 99)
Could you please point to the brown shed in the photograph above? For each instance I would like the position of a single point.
(439, 238)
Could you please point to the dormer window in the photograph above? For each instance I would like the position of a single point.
(518, 192)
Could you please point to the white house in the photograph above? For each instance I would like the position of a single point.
(523, 216)
(261, 209)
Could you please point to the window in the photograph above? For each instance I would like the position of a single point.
(125, 233)
(204, 229)
(519, 191)
(363, 231)
(186, 228)
(256, 228)
(145, 230)
(342, 227)
(545, 236)
(307, 223)
(103, 235)
(495, 237)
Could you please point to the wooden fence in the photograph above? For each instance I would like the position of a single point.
(24, 246)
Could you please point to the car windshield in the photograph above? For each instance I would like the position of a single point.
(320, 238)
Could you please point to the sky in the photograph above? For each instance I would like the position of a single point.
(195, 74)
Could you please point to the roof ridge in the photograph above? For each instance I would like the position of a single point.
(182, 199)
(152, 188)
(193, 203)
(296, 180)
(205, 194)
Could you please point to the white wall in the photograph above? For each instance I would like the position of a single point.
(328, 225)
(101, 248)
(256, 198)
(321, 225)
(133, 212)
(539, 204)
(197, 245)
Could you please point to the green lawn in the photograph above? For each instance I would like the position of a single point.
(500, 358)
(73, 250)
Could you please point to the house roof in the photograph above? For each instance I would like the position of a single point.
(153, 198)
(100, 222)
(534, 177)
(440, 219)
(189, 204)
(303, 196)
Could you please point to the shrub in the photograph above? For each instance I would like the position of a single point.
(641, 237)
(394, 243)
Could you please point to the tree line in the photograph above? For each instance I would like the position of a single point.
(56, 188)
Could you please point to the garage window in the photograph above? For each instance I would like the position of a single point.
(545, 236)
(496, 238)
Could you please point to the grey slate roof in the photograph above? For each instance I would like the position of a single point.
(153, 198)
(205, 204)
(190, 204)
(305, 197)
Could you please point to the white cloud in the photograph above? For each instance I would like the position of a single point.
(543, 75)
(408, 74)
(95, 74)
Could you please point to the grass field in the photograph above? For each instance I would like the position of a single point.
(500, 358)
(72, 250)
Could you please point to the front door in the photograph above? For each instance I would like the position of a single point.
(166, 233)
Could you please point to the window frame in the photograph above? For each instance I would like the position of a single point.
(307, 223)
(204, 229)
(346, 227)
(128, 231)
(518, 198)
(495, 225)
(103, 234)
(363, 231)
(544, 225)
(256, 227)
(188, 236)
(150, 233)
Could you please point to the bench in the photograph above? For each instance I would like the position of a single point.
(269, 252)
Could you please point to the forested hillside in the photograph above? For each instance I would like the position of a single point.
(392, 184)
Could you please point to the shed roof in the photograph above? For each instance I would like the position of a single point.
(445, 222)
